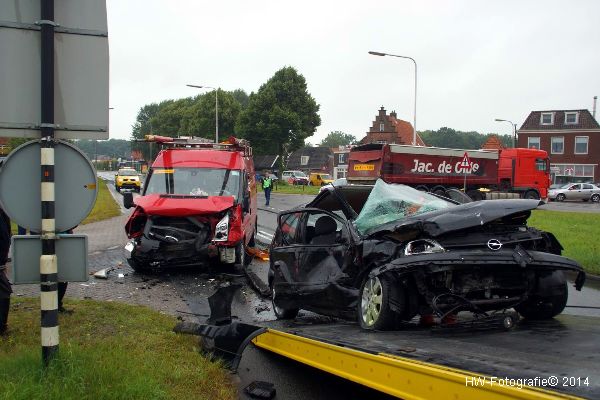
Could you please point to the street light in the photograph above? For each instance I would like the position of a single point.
(216, 107)
(514, 126)
(377, 53)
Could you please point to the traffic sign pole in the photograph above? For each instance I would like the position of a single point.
(48, 261)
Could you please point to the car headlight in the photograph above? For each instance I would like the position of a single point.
(422, 246)
(222, 229)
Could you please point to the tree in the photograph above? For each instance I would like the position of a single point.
(281, 115)
(337, 138)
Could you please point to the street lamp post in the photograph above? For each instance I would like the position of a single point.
(216, 107)
(377, 53)
(514, 126)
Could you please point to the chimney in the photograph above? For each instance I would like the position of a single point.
(594, 108)
(382, 112)
(393, 114)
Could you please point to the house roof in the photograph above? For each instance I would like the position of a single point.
(586, 121)
(318, 158)
(405, 131)
(493, 143)
(265, 162)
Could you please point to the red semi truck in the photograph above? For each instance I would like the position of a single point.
(485, 174)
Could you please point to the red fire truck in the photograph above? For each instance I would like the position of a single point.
(198, 206)
(484, 174)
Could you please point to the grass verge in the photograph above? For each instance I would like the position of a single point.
(577, 232)
(104, 208)
(294, 189)
(107, 351)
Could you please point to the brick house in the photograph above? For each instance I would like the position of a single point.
(340, 161)
(572, 140)
(390, 129)
(493, 143)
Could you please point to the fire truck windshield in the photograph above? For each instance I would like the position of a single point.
(194, 182)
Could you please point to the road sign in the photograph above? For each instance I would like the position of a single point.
(71, 255)
(75, 186)
(465, 163)
(81, 69)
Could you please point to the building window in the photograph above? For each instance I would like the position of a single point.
(304, 160)
(558, 145)
(533, 142)
(381, 127)
(571, 118)
(547, 119)
(342, 158)
(581, 144)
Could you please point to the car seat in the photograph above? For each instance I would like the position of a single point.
(325, 231)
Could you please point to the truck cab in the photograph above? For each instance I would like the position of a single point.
(198, 206)
(524, 170)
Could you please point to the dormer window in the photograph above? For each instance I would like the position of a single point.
(547, 119)
(571, 118)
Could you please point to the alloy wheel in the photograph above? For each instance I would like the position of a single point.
(371, 301)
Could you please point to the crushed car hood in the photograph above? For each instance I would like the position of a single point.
(436, 223)
(182, 206)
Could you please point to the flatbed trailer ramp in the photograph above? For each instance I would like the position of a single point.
(555, 359)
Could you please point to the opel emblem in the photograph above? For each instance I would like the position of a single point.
(494, 244)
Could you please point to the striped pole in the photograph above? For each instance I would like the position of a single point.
(48, 264)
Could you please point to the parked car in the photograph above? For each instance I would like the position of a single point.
(127, 178)
(198, 207)
(575, 191)
(386, 253)
(295, 177)
(319, 179)
(337, 182)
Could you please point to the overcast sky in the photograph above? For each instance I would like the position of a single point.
(477, 60)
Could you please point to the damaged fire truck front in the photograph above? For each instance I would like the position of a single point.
(198, 206)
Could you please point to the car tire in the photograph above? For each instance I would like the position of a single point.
(374, 304)
(595, 198)
(560, 197)
(282, 313)
(550, 299)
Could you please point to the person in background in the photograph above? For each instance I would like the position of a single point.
(5, 288)
(267, 185)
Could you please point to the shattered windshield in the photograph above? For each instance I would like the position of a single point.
(194, 182)
(392, 202)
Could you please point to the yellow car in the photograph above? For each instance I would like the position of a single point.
(319, 179)
(127, 178)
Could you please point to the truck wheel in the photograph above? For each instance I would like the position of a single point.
(422, 188)
(374, 311)
(549, 300)
(595, 198)
(531, 194)
(280, 312)
(439, 190)
(560, 197)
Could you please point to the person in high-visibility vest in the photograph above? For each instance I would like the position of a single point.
(267, 185)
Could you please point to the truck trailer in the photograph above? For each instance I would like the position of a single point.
(483, 174)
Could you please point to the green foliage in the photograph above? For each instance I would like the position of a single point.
(448, 137)
(338, 138)
(114, 148)
(190, 116)
(281, 115)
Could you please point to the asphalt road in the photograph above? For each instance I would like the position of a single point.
(291, 379)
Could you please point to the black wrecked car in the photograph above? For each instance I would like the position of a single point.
(386, 253)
